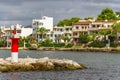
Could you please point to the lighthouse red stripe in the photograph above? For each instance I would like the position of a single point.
(15, 44)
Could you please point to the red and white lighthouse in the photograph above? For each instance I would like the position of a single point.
(14, 47)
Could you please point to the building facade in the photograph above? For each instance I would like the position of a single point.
(46, 22)
(90, 27)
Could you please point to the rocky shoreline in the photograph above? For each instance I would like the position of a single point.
(31, 64)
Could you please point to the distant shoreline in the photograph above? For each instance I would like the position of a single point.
(82, 49)
(88, 49)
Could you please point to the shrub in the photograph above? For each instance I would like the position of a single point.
(84, 38)
(1, 43)
(114, 44)
(21, 43)
(97, 44)
(59, 44)
(45, 44)
(69, 45)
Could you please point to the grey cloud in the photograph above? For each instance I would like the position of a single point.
(23, 11)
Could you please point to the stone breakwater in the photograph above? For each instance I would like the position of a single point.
(31, 64)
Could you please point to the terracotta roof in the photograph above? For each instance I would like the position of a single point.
(82, 23)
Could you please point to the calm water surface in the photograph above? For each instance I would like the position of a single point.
(101, 66)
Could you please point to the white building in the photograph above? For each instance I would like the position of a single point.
(26, 32)
(57, 33)
(46, 22)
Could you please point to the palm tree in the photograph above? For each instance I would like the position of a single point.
(65, 38)
(31, 39)
(105, 33)
(42, 32)
(116, 29)
(58, 38)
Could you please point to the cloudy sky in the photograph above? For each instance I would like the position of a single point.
(23, 11)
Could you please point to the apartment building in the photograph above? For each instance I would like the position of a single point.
(89, 27)
(80, 27)
(46, 22)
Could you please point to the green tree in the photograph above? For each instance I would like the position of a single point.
(46, 43)
(42, 32)
(68, 22)
(27, 41)
(58, 38)
(118, 15)
(107, 14)
(74, 20)
(84, 38)
(105, 32)
(31, 39)
(87, 18)
(64, 22)
(65, 38)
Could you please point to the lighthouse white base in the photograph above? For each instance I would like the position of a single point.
(14, 56)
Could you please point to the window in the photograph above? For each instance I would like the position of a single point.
(102, 25)
(75, 34)
(34, 29)
(65, 34)
(82, 27)
(41, 23)
(108, 25)
(51, 35)
(18, 31)
(67, 29)
(55, 35)
(54, 29)
(98, 25)
(77, 27)
(48, 35)
(61, 30)
(93, 26)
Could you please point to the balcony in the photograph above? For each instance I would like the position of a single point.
(80, 30)
(93, 29)
(99, 28)
(68, 32)
(105, 28)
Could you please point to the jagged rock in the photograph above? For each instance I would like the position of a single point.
(28, 64)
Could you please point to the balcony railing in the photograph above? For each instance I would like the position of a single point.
(99, 28)
(67, 31)
(80, 30)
